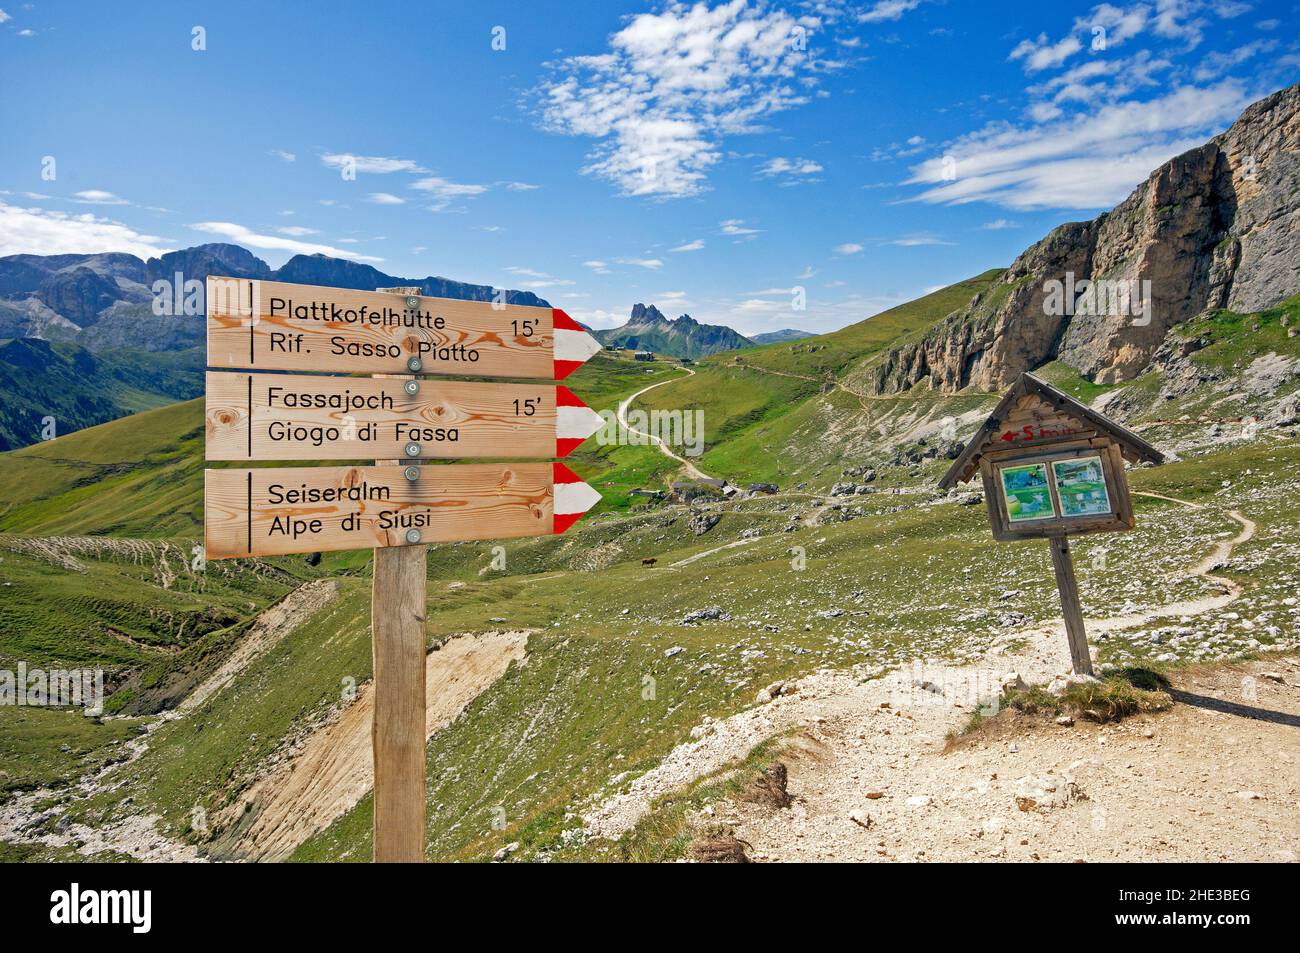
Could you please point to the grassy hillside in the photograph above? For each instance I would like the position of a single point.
(832, 354)
(141, 476)
(40, 380)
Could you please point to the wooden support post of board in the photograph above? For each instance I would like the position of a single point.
(1070, 608)
(397, 628)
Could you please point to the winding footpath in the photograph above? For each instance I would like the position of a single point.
(691, 468)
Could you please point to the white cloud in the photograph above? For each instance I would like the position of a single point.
(385, 198)
(26, 33)
(599, 267)
(1082, 162)
(282, 154)
(917, 241)
(848, 248)
(1177, 20)
(445, 191)
(36, 231)
(250, 239)
(296, 231)
(651, 263)
(673, 84)
(791, 171)
(887, 10)
(689, 246)
(1216, 64)
(537, 279)
(4, 17)
(98, 197)
(805, 274)
(1119, 23)
(998, 224)
(1040, 54)
(521, 186)
(737, 228)
(377, 165)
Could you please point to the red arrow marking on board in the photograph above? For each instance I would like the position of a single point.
(573, 346)
(574, 421)
(572, 498)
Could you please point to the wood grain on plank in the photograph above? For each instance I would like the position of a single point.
(305, 417)
(271, 325)
(283, 510)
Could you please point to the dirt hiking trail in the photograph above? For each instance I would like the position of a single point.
(874, 776)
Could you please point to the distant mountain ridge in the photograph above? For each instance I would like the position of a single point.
(106, 300)
(649, 330)
(80, 343)
(781, 337)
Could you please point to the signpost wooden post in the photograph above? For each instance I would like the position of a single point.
(1051, 468)
(396, 506)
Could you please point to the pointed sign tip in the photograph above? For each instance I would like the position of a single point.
(572, 498)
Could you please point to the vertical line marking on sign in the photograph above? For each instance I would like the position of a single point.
(248, 421)
(252, 318)
(249, 510)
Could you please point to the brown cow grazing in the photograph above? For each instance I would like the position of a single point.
(649, 561)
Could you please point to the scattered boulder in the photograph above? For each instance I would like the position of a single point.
(707, 614)
(504, 853)
(701, 523)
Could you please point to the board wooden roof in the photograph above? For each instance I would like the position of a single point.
(1028, 390)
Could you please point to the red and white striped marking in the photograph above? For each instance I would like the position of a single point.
(574, 421)
(572, 498)
(573, 346)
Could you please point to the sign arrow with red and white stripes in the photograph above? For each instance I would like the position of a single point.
(274, 326)
(275, 511)
(315, 416)
(572, 498)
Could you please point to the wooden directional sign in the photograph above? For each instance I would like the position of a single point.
(1053, 467)
(261, 326)
(278, 511)
(305, 417)
(270, 325)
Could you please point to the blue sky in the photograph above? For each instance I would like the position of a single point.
(708, 158)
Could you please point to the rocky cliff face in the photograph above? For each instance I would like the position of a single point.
(1217, 227)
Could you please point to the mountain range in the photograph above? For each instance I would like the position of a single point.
(80, 343)
(648, 330)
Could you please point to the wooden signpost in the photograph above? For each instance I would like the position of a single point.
(304, 416)
(1051, 468)
(272, 326)
(396, 506)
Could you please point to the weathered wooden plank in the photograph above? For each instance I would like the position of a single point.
(278, 511)
(398, 600)
(252, 416)
(398, 595)
(271, 325)
(1070, 608)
